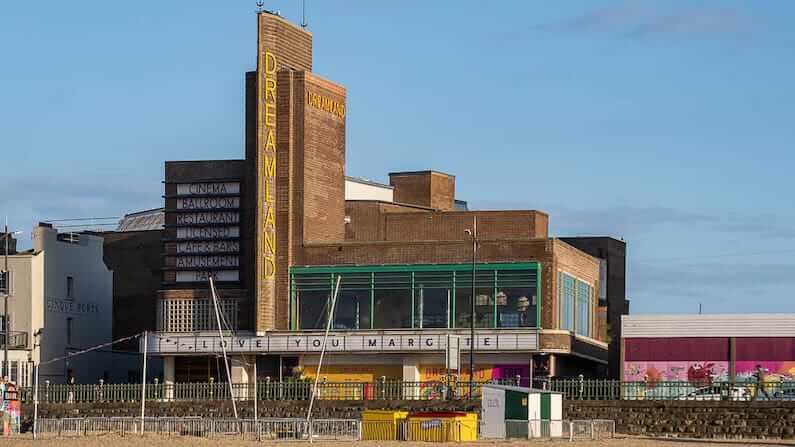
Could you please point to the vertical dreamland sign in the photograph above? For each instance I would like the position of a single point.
(267, 62)
(10, 408)
(281, 46)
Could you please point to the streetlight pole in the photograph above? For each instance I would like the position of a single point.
(7, 292)
(474, 234)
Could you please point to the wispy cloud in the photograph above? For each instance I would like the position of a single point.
(656, 20)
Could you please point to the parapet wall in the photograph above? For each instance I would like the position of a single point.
(692, 419)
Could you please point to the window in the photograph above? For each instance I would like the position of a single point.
(484, 298)
(566, 300)
(516, 299)
(583, 309)
(574, 303)
(2, 324)
(313, 309)
(352, 310)
(432, 299)
(70, 287)
(428, 296)
(392, 300)
(14, 371)
(69, 331)
(5, 282)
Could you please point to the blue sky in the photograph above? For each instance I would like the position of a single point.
(665, 123)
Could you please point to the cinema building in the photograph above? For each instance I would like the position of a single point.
(275, 230)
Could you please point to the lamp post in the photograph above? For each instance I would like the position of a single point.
(6, 366)
(473, 233)
(36, 344)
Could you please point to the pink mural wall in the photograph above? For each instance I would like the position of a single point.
(697, 361)
(697, 373)
(776, 371)
(775, 354)
(702, 360)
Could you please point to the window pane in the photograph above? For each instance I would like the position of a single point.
(567, 302)
(352, 310)
(392, 309)
(312, 310)
(432, 307)
(484, 307)
(516, 307)
(583, 308)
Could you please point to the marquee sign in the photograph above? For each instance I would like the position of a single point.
(410, 341)
(208, 237)
(204, 275)
(207, 203)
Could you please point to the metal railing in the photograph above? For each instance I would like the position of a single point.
(269, 429)
(596, 389)
(268, 390)
(572, 389)
(595, 429)
(247, 429)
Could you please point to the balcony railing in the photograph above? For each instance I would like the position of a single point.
(16, 340)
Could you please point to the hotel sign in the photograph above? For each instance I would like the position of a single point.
(414, 341)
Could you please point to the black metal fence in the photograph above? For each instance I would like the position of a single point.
(596, 389)
(572, 389)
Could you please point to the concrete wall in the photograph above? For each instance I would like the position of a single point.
(24, 306)
(90, 308)
(356, 189)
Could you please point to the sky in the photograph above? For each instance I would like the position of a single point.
(668, 124)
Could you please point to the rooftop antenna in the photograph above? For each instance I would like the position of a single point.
(303, 14)
(260, 4)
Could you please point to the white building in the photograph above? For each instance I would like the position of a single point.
(62, 287)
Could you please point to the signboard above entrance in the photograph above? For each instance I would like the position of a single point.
(405, 341)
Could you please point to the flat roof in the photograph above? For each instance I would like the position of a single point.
(365, 181)
(708, 325)
(427, 171)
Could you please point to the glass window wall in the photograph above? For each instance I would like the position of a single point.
(416, 296)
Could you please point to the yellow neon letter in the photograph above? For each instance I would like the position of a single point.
(270, 63)
(270, 142)
(270, 115)
(269, 220)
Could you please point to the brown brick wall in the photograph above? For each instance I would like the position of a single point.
(451, 225)
(292, 48)
(324, 163)
(375, 221)
(442, 191)
(424, 188)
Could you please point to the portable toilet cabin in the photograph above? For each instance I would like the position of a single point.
(518, 412)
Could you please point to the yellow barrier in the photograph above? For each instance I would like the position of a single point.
(442, 427)
(383, 425)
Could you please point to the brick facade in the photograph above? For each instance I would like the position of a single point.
(314, 225)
